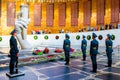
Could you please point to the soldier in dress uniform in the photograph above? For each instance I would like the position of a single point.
(83, 47)
(13, 52)
(93, 52)
(109, 50)
(66, 47)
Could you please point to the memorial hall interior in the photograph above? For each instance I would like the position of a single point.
(55, 15)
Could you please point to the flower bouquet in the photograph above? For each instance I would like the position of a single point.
(57, 50)
(51, 57)
(37, 52)
(71, 49)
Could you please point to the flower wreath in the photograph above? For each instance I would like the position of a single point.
(77, 37)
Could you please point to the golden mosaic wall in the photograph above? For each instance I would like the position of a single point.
(5, 30)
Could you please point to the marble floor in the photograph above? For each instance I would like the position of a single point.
(77, 70)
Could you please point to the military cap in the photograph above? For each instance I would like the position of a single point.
(94, 35)
(13, 31)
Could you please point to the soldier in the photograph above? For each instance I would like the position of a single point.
(66, 47)
(83, 48)
(93, 52)
(109, 50)
(13, 52)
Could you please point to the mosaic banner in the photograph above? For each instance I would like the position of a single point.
(114, 11)
(116, 15)
(62, 14)
(0, 7)
(0, 10)
(74, 13)
(49, 14)
(87, 12)
(10, 13)
(100, 11)
(37, 14)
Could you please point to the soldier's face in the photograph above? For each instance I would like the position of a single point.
(92, 37)
(107, 37)
(15, 34)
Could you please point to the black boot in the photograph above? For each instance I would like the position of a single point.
(16, 70)
(93, 67)
(110, 63)
(11, 68)
(95, 70)
(84, 57)
(67, 61)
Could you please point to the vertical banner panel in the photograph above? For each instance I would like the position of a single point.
(0, 10)
(74, 13)
(87, 13)
(37, 14)
(62, 14)
(84, 13)
(115, 11)
(112, 11)
(119, 6)
(116, 16)
(100, 11)
(10, 13)
(49, 14)
(0, 7)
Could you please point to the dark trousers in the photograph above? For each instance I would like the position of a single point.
(109, 56)
(94, 62)
(11, 67)
(67, 57)
(13, 63)
(84, 55)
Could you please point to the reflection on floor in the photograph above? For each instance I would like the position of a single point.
(77, 70)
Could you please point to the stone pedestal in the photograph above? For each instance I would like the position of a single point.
(15, 75)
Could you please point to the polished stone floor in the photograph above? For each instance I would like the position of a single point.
(77, 70)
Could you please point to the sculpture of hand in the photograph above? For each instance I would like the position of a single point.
(21, 25)
(21, 29)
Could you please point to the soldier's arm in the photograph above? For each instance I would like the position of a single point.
(107, 44)
(64, 45)
(15, 47)
(97, 45)
(86, 43)
(91, 48)
(81, 44)
(70, 44)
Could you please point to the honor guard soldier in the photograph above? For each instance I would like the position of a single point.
(93, 52)
(66, 47)
(13, 52)
(109, 50)
(83, 47)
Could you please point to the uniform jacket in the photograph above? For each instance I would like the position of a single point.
(66, 45)
(83, 45)
(109, 45)
(94, 47)
(13, 46)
